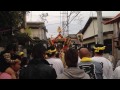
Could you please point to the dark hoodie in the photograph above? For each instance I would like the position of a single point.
(73, 73)
(38, 69)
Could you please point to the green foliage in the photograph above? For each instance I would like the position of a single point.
(12, 19)
(22, 38)
(28, 31)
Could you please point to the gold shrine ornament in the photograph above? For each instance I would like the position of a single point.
(59, 30)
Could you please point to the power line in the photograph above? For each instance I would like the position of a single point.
(57, 23)
(64, 16)
(72, 19)
(60, 19)
(70, 14)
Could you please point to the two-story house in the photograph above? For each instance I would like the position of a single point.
(38, 29)
(90, 33)
(115, 22)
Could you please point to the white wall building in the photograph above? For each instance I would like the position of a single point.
(90, 33)
(38, 29)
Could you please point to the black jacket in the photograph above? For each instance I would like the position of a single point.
(38, 69)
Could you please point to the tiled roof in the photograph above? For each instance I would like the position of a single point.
(113, 20)
(90, 20)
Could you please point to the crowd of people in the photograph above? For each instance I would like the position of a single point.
(51, 63)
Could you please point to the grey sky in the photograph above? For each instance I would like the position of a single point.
(54, 20)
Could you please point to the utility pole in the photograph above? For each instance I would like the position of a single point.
(100, 27)
(67, 24)
(64, 22)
